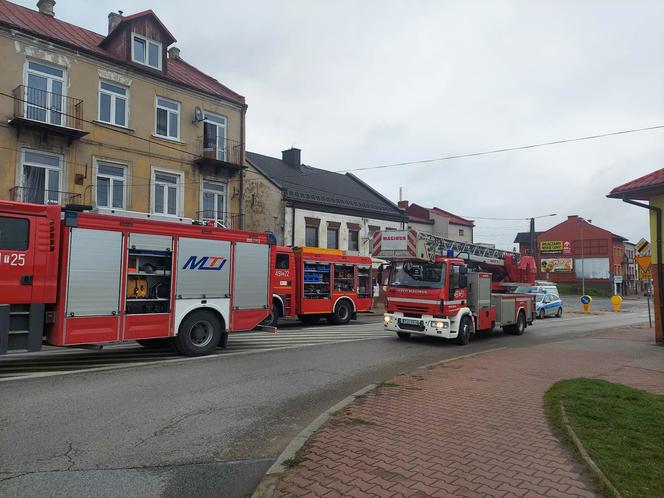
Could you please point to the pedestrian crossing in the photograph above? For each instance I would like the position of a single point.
(61, 361)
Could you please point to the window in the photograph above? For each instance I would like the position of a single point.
(45, 93)
(311, 236)
(14, 234)
(282, 262)
(332, 238)
(353, 240)
(145, 51)
(214, 136)
(113, 104)
(110, 183)
(166, 193)
(40, 177)
(213, 201)
(168, 119)
(461, 232)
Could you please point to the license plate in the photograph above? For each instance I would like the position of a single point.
(410, 321)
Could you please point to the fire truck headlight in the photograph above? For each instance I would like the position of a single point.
(440, 325)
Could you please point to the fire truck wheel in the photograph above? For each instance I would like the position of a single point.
(163, 343)
(342, 313)
(199, 334)
(403, 335)
(464, 331)
(272, 319)
(520, 326)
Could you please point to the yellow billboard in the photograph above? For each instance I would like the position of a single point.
(555, 246)
(556, 265)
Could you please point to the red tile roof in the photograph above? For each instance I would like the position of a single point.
(642, 186)
(64, 33)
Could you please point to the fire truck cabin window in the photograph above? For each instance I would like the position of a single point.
(282, 261)
(418, 274)
(14, 234)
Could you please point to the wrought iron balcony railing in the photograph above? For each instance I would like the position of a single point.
(222, 219)
(217, 149)
(47, 107)
(42, 195)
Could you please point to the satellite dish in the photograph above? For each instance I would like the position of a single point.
(198, 115)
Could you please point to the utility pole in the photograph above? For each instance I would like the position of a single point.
(533, 242)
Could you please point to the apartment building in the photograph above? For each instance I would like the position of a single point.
(118, 121)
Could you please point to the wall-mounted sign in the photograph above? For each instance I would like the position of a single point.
(556, 265)
(551, 246)
(567, 248)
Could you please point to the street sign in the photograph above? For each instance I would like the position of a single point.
(644, 262)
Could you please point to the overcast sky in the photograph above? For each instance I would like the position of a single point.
(363, 83)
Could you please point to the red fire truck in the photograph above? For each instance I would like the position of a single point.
(432, 292)
(75, 277)
(313, 283)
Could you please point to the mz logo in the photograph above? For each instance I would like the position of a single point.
(205, 263)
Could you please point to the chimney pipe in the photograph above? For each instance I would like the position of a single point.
(292, 157)
(114, 19)
(46, 7)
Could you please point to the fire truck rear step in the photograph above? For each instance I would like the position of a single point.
(21, 327)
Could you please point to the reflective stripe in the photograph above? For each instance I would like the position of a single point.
(409, 300)
(458, 301)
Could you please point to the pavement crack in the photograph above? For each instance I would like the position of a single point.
(174, 422)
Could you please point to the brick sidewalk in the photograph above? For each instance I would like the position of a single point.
(472, 427)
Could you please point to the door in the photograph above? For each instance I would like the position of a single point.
(215, 136)
(16, 258)
(40, 183)
(213, 202)
(45, 93)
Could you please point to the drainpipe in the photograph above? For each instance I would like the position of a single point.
(293, 226)
(242, 147)
(660, 276)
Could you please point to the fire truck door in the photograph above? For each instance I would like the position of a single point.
(17, 250)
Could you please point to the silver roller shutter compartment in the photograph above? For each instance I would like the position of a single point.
(95, 261)
(252, 270)
(140, 241)
(203, 269)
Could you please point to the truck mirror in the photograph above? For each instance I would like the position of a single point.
(463, 280)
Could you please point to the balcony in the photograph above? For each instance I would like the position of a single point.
(47, 112)
(220, 219)
(40, 195)
(220, 152)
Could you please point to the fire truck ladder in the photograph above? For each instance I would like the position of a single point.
(464, 250)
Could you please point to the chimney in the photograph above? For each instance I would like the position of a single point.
(173, 53)
(403, 204)
(46, 7)
(114, 19)
(291, 157)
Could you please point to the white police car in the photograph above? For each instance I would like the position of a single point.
(548, 305)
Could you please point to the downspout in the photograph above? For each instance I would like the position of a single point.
(293, 226)
(658, 245)
(242, 151)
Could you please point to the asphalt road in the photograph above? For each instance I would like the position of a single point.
(205, 427)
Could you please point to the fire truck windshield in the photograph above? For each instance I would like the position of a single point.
(419, 274)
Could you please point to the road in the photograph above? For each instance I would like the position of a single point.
(152, 424)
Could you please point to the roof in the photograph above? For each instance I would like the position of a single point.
(641, 188)
(63, 33)
(138, 15)
(420, 214)
(524, 237)
(324, 188)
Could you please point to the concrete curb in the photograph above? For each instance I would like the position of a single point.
(597, 472)
(266, 487)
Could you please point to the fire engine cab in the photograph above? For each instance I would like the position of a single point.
(432, 292)
(70, 277)
(312, 283)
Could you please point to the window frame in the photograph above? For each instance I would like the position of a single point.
(355, 231)
(336, 231)
(49, 90)
(147, 42)
(219, 121)
(48, 167)
(111, 178)
(317, 229)
(168, 111)
(179, 191)
(215, 192)
(113, 97)
(25, 245)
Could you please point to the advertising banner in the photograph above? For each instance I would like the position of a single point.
(556, 265)
(551, 246)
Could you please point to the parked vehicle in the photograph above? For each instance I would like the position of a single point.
(538, 289)
(548, 305)
(312, 283)
(432, 292)
(70, 277)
